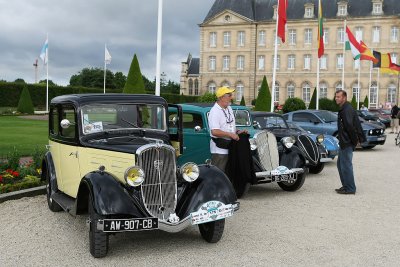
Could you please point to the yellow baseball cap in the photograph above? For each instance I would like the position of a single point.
(224, 90)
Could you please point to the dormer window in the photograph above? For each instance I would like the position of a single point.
(377, 7)
(308, 11)
(342, 9)
(275, 7)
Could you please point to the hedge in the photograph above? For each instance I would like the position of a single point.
(10, 94)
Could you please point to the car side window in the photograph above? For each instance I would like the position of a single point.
(54, 125)
(191, 120)
(69, 114)
(304, 117)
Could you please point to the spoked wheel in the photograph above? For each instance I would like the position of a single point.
(212, 231)
(98, 239)
(53, 206)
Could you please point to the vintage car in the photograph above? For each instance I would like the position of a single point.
(325, 122)
(372, 117)
(383, 114)
(290, 175)
(277, 124)
(112, 156)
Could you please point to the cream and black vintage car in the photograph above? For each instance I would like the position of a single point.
(113, 157)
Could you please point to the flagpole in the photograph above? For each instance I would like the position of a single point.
(377, 89)
(159, 31)
(358, 84)
(317, 102)
(47, 76)
(275, 60)
(344, 53)
(370, 82)
(105, 66)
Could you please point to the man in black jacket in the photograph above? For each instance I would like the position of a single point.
(350, 134)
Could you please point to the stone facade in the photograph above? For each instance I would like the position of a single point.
(238, 51)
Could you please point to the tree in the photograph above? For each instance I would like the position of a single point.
(366, 101)
(19, 80)
(45, 82)
(263, 102)
(313, 101)
(119, 80)
(94, 78)
(134, 83)
(293, 104)
(328, 104)
(25, 104)
(149, 85)
(242, 103)
(208, 98)
(354, 102)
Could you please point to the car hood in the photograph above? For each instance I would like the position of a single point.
(370, 125)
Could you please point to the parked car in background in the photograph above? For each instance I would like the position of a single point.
(112, 156)
(277, 124)
(325, 122)
(370, 117)
(383, 114)
(196, 146)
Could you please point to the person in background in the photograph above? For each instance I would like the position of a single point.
(363, 107)
(222, 125)
(394, 119)
(350, 134)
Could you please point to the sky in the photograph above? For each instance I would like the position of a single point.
(79, 29)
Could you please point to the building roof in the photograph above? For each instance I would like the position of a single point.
(262, 10)
(194, 66)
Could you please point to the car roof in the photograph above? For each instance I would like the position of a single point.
(264, 113)
(80, 99)
(207, 106)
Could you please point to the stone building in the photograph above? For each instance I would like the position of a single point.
(237, 48)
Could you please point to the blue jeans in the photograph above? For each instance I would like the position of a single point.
(345, 168)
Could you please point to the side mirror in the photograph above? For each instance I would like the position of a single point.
(256, 125)
(197, 128)
(65, 123)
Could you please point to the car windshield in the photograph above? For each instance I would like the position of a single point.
(242, 117)
(326, 116)
(109, 117)
(386, 112)
(269, 122)
(296, 127)
(367, 113)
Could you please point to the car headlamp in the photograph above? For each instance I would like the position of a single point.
(134, 176)
(320, 138)
(253, 144)
(371, 132)
(288, 142)
(190, 171)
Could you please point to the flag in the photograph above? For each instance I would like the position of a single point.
(395, 67)
(282, 18)
(377, 55)
(44, 52)
(352, 44)
(107, 56)
(320, 31)
(385, 60)
(366, 53)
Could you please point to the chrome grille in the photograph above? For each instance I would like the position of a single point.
(267, 150)
(159, 190)
(309, 148)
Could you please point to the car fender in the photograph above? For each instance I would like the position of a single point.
(212, 184)
(109, 196)
(292, 157)
(48, 166)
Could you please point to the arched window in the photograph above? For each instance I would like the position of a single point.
(290, 90)
(276, 92)
(391, 93)
(323, 90)
(190, 87)
(355, 91)
(196, 87)
(211, 87)
(306, 92)
(239, 91)
(338, 86)
(373, 93)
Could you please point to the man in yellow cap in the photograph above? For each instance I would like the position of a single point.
(222, 127)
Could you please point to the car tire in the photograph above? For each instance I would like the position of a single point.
(298, 163)
(242, 191)
(212, 231)
(53, 206)
(368, 147)
(318, 168)
(98, 239)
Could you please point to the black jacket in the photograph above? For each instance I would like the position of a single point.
(350, 131)
(394, 111)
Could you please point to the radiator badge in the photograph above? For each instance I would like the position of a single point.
(158, 164)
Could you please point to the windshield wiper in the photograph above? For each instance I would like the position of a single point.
(130, 123)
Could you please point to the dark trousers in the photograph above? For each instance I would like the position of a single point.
(345, 168)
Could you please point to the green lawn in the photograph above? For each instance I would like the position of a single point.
(23, 134)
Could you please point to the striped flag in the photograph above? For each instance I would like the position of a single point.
(352, 44)
(320, 31)
(44, 52)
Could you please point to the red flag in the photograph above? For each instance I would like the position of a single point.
(366, 53)
(320, 31)
(282, 18)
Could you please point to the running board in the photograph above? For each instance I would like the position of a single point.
(66, 202)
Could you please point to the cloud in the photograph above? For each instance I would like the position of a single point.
(78, 31)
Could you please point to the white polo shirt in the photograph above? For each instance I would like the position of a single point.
(224, 120)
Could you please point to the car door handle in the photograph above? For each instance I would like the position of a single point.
(74, 153)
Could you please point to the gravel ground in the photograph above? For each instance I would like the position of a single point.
(311, 227)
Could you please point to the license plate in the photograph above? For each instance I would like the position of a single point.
(120, 225)
(211, 211)
(283, 177)
(381, 138)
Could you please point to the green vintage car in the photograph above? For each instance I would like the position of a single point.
(266, 158)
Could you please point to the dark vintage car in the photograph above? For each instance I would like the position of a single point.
(372, 117)
(277, 124)
(289, 171)
(384, 115)
(112, 156)
(325, 122)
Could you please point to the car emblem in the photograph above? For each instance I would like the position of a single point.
(158, 164)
